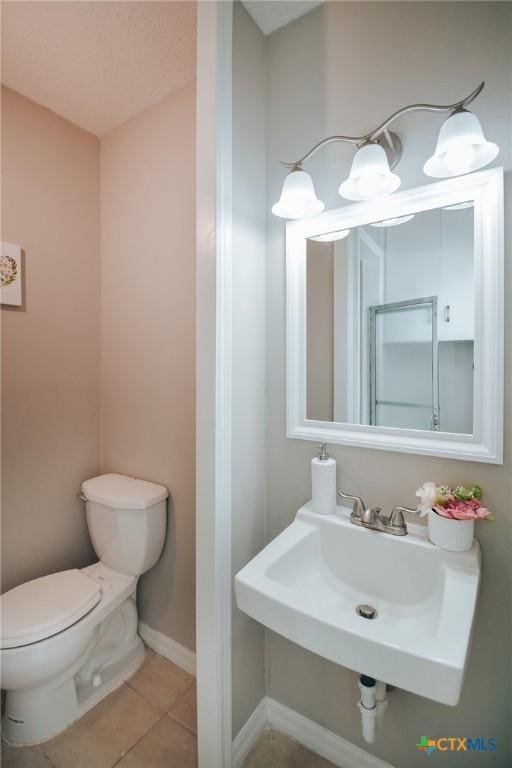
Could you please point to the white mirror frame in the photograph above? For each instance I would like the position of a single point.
(485, 188)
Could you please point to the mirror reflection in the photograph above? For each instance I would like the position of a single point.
(391, 322)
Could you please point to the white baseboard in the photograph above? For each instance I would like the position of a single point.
(248, 734)
(316, 738)
(168, 648)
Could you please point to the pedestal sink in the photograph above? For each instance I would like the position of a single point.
(309, 582)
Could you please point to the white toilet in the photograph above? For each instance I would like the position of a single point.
(70, 638)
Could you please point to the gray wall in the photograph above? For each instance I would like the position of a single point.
(248, 378)
(343, 68)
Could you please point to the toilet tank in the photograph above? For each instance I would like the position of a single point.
(127, 520)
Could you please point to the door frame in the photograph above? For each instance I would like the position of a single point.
(213, 382)
(427, 301)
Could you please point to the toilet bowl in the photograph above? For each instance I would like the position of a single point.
(69, 638)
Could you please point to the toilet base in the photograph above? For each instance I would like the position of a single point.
(32, 717)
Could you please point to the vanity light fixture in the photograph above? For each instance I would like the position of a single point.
(330, 237)
(393, 222)
(461, 147)
(370, 175)
(298, 199)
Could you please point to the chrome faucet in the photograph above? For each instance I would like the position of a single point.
(358, 507)
(373, 519)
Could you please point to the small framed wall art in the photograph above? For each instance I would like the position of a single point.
(11, 275)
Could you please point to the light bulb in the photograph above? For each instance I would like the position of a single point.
(298, 198)
(461, 147)
(458, 157)
(370, 175)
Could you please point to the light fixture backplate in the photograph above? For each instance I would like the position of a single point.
(392, 146)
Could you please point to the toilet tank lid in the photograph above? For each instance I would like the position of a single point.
(122, 492)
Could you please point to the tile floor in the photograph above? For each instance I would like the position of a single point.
(274, 750)
(149, 722)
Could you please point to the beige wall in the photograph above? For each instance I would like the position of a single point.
(320, 331)
(343, 68)
(53, 433)
(148, 332)
(50, 347)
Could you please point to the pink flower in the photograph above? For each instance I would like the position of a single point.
(483, 512)
(443, 511)
(462, 510)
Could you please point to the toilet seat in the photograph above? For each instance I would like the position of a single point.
(43, 607)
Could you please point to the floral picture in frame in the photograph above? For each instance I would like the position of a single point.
(11, 275)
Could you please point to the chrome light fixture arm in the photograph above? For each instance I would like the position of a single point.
(373, 135)
(381, 135)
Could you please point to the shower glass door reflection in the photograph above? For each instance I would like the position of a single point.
(403, 357)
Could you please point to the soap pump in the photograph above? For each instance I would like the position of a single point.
(322, 452)
(323, 482)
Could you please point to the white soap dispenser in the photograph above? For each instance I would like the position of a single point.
(323, 482)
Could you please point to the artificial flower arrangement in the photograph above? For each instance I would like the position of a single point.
(458, 503)
(451, 514)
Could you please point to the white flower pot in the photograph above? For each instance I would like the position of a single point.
(450, 534)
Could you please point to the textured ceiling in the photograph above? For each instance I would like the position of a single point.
(98, 63)
(270, 15)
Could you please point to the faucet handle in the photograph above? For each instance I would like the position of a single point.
(396, 520)
(358, 506)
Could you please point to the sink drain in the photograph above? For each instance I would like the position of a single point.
(366, 611)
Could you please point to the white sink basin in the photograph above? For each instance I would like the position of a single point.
(307, 583)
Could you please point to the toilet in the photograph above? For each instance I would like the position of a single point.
(70, 638)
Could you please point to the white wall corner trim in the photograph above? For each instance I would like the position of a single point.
(168, 648)
(316, 738)
(213, 379)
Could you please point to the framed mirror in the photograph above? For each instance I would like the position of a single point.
(395, 322)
